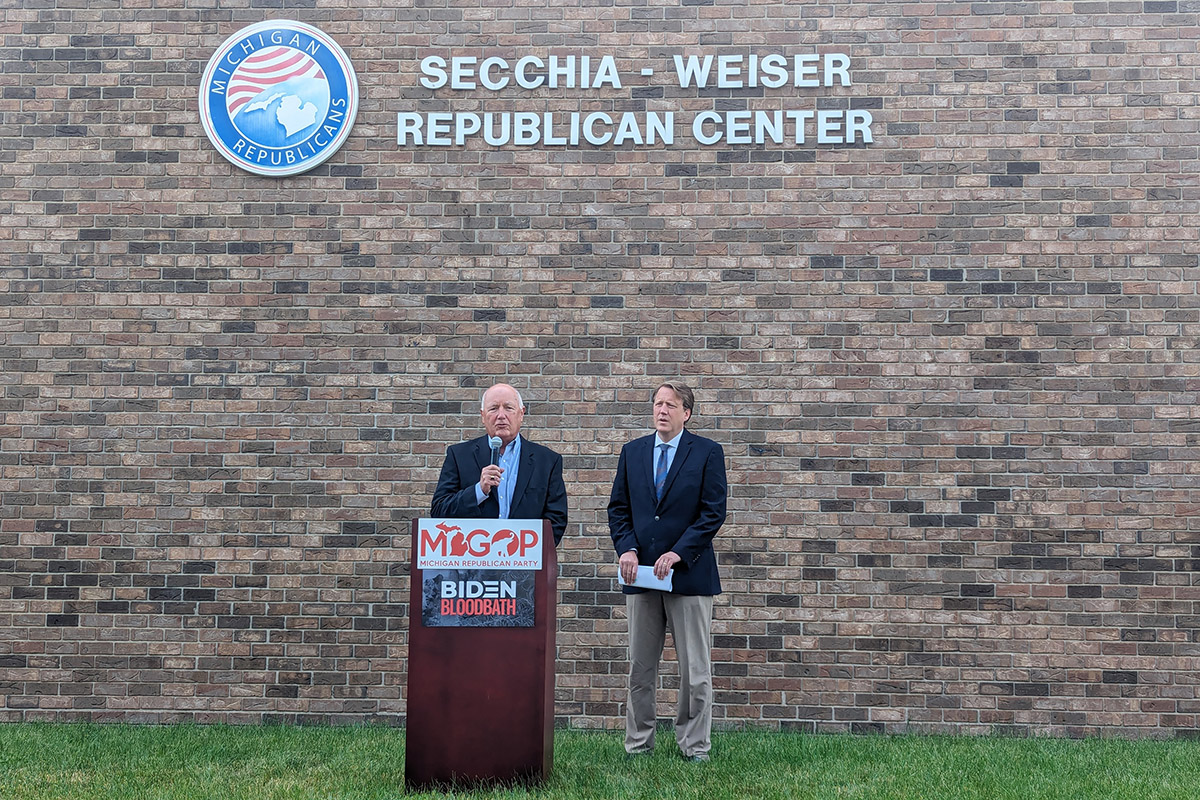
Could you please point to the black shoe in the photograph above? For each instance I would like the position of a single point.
(697, 758)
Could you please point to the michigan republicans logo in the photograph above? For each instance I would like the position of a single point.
(278, 98)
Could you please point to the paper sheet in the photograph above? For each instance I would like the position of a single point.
(645, 579)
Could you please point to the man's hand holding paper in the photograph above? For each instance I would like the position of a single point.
(645, 579)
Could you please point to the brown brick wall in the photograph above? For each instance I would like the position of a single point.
(954, 371)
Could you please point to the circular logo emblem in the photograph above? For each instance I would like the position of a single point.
(278, 98)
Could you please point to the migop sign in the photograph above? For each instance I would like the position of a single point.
(493, 544)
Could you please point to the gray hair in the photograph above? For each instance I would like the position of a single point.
(483, 399)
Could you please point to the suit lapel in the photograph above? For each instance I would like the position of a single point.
(483, 453)
(483, 456)
(639, 457)
(524, 473)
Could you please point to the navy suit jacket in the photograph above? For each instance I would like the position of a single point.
(539, 494)
(685, 521)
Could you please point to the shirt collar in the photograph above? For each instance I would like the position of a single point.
(672, 444)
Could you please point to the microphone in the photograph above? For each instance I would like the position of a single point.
(495, 443)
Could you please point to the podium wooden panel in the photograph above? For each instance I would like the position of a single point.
(481, 700)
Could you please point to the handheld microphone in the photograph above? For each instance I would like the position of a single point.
(495, 443)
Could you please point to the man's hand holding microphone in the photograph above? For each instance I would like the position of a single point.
(489, 478)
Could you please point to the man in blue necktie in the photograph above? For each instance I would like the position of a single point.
(667, 504)
(525, 482)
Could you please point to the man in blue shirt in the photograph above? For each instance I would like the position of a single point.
(527, 482)
(667, 504)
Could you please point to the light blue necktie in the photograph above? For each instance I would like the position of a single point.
(660, 472)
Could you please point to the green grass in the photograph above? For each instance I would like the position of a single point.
(64, 762)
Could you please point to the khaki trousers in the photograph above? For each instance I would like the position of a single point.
(689, 618)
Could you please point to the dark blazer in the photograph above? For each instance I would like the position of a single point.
(539, 494)
(685, 521)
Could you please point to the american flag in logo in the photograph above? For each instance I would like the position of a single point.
(265, 69)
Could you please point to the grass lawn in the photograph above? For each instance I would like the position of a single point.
(64, 762)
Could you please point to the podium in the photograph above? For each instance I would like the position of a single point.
(481, 650)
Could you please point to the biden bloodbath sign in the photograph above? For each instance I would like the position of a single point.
(478, 572)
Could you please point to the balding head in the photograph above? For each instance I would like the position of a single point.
(502, 411)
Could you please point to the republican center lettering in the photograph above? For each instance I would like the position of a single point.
(584, 72)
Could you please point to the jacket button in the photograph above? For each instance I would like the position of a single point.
(656, 519)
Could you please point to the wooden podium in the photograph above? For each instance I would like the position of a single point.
(480, 699)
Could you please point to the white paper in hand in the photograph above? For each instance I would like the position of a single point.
(645, 580)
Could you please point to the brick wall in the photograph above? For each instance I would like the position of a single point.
(954, 371)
